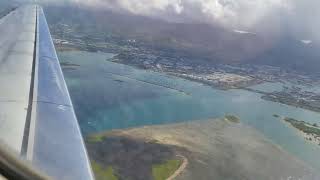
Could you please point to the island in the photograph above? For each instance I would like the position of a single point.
(69, 66)
(311, 132)
(276, 115)
(232, 118)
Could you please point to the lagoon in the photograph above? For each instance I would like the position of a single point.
(108, 95)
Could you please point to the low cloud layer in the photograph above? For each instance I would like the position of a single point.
(298, 16)
(228, 12)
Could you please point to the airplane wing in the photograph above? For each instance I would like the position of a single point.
(37, 119)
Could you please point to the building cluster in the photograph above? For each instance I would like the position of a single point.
(220, 78)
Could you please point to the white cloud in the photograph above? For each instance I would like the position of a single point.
(300, 16)
(306, 41)
(178, 7)
(228, 12)
(243, 32)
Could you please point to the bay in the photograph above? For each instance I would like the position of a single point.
(107, 95)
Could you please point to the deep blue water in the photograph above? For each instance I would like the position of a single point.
(108, 96)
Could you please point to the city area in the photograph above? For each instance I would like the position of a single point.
(218, 75)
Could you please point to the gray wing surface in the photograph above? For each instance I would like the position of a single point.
(37, 118)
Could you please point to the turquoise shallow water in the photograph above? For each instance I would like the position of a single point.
(108, 96)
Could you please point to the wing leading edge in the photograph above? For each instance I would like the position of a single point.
(36, 113)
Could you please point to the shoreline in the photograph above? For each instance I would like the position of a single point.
(311, 138)
(180, 170)
(206, 143)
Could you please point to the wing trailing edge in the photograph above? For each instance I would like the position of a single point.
(36, 113)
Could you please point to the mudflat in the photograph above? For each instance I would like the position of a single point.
(214, 149)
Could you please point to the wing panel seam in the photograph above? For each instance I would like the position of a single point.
(25, 140)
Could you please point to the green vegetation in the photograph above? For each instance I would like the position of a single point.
(165, 170)
(232, 118)
(304, 126)
(276, 115)
(153, 141)
(95, 138)
(103, 173)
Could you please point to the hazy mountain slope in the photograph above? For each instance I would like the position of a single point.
(209, 42)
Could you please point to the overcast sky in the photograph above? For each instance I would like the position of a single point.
(300, 16)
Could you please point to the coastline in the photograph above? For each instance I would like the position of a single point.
(244, 151)
(311, 138)
(273, 139)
